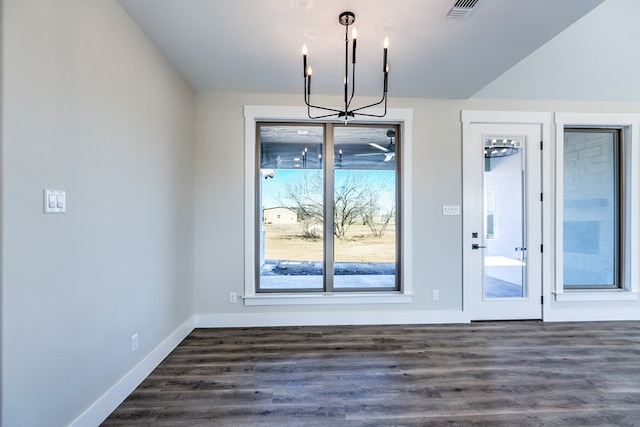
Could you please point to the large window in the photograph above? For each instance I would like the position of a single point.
(592, 207)
(327, 203)
(596, 207)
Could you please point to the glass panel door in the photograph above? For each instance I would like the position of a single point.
(502, 221)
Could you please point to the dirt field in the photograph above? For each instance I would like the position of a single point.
(285, 242)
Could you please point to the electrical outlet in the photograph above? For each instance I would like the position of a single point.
(435, 295)
(233, 297)
(134, 342)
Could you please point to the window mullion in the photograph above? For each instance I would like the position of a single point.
(328, 207)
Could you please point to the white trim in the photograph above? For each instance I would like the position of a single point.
(505, 117)
(630, 123)
(335, 298)
(254, 113)
(110, 400)
(601, 314)
(617, 295)
(313, 318)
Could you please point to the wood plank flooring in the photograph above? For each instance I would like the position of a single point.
(479, 374)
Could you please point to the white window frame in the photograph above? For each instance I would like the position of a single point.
(630, 125)
(255, 113)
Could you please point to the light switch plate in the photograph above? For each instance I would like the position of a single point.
(451, 210)
(55, 201)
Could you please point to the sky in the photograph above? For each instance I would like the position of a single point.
(273, 189)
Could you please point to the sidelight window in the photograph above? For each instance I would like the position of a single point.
(592, 208)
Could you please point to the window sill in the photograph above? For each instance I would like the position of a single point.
(328, 299)
(617, 295)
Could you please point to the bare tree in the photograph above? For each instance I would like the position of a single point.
(352, 197)
(304, 195)
(378, 218)
(381, 209)
(356, 199)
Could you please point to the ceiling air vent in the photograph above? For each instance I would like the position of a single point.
(462, 9)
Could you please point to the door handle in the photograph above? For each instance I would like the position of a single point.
(476, 246)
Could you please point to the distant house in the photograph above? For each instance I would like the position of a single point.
(279, 216)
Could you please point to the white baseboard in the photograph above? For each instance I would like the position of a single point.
(400, 317)
(109, 401)
(599, 314)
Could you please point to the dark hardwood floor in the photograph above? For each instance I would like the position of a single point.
(488, 374)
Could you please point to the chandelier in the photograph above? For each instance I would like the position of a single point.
(346, 113)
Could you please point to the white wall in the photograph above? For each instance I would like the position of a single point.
(90, 106)
(1, 199)
(578, 63)
(219, 237)
(437, 239)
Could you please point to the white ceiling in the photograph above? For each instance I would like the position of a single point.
(597, 59)
(254, 45)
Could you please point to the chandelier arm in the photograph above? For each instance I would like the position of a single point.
(384, 99)
(374, 115)
(336, 111)
(307, 101)
(384, 113)
(321, 116)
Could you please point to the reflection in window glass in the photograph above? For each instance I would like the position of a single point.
(489, 214)
(505, 263)
(590, 194)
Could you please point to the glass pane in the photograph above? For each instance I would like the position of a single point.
(590, 209)
(505, 253)
(291, 197)
(364, 200)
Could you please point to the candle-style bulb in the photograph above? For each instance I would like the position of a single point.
(309, 70)
(385, 44)
(354, 36)
(304, 60)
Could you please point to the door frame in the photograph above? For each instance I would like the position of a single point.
(471, 117)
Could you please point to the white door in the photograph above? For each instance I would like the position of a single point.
(502, 222)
